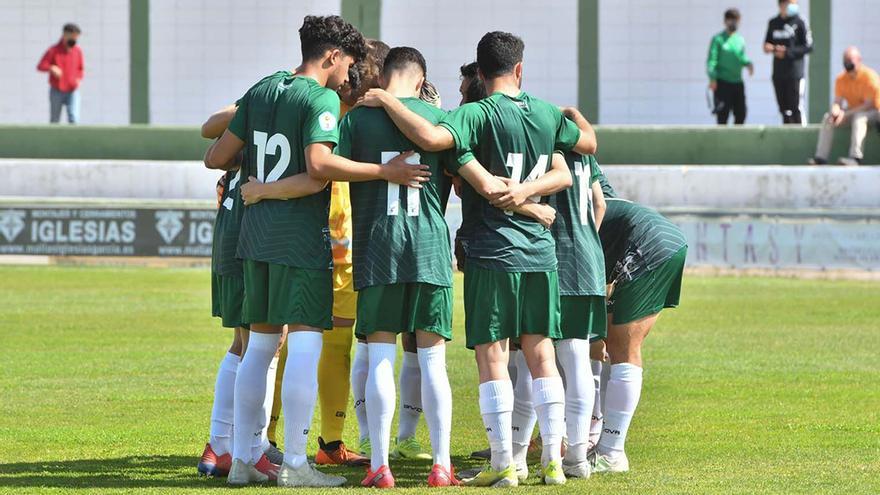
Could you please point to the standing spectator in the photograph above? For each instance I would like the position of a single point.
(64, 63)
(789, 40)
(727, 57)
(859, 87)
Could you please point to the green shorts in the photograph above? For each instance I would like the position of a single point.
(280, 295)
(404, 307)
(505, 305)
(227, 297)
(648, 294)
(583, 317)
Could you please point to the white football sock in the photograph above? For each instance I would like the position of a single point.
(549, 399)
(621, 399)
(596, 419)
(381, 396)
(523, 418)
(496, 407)
(574, 357)
(359, 371)
(261, 443)
(299, 392)
(511, 366)
(410, 396)
(250, 392)
(223, 411)
(437, 399)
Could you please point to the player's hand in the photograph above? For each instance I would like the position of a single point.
(609, 289)
(516, 195)
(751, 69)
(713, 85)
(252, 191)
(779, 51)
(55, 70)
(456, 185)
(546, 215)
(398, 171)
(768, 47)
(372, 98)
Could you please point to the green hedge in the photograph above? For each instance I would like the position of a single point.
(681, 145)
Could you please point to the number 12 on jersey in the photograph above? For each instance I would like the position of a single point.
(412, 193)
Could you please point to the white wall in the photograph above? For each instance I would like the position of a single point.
(854, 22)
(652, 56)
(204, 54)
(29, 27)
(447, 32)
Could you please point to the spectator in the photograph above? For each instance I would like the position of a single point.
(64, 63)
(727, 57)
(789, 40)
(859, 87)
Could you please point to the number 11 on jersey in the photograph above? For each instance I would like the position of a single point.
(412, 193)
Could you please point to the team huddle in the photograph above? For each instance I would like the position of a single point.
(332, 227)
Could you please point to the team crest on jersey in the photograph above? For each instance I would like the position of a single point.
(327, 121)
(11, 223)
(169, 224)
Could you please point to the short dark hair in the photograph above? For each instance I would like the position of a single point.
(476, 90)
(321, 33)
(498, 52)
(71, 28)
(731, 14)
(401, 57)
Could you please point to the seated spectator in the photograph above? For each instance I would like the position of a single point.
(859, 87)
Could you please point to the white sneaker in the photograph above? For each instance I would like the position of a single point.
(306, 475)
(577, 470)
(243, 473)
(849, 161)
(603, 463)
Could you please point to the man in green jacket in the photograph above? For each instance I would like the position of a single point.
(727, 57)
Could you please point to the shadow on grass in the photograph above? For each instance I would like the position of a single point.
(169, 472)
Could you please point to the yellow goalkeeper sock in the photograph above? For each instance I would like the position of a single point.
(334, 369)
(276, 401)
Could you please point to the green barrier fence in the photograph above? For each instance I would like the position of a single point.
(678, 145)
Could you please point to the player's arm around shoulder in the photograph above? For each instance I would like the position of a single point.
(425, 134)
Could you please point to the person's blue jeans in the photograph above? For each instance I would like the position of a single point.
(69, 99)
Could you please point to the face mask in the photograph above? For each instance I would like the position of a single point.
(731, 26)
(849, 66)
(70, 43)
(792, 10)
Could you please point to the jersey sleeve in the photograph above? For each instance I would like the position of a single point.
(321, 117)
(238, 124)
(595, 171)
(466, 124)
(345, 135)
(567, 132)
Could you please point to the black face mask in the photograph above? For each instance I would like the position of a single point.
(70, 43)
(732, 26)
(849, 66)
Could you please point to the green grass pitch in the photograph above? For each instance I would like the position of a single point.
(753, 385)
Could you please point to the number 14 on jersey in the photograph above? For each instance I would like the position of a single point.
(412, 193)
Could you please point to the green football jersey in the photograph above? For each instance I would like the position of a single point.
(578, 249)
(226, 229)
(277, 119)
(399, 233)
(636, 239)
(515, 138)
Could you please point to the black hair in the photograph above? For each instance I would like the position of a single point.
(321, 33)
(476, 90)
(498, 52)
(71, 28)
(731, 14)
(400, 57)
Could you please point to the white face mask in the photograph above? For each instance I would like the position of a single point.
(792, 10)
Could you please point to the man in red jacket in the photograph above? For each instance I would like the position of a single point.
(64, 63)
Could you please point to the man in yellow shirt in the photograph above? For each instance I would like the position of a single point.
(858, 86)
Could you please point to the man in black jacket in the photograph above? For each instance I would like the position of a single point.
(789, 40)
